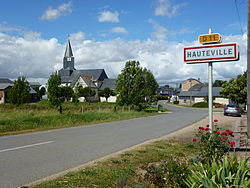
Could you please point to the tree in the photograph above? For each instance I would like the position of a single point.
(66, 93)
(106, 92)
(54, 91)
(236, 89)
(42, 92)
(219, 83)
(86, 92)
(134, 84)
(19, 93)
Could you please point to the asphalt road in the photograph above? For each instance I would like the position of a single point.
(28, 157)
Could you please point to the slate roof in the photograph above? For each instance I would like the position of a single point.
(108, 83)
(68, 51)
(202, 93)
(5, 85)
(96, 74)
(5, 80)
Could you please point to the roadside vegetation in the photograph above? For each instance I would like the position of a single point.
(203, 162)
(42, 116)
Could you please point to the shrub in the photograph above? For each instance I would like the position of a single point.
(213, 144)
(228, 172)
(176, 102)
(200, 105)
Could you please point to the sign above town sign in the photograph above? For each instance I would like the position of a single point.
(211, 53)
(210, 38)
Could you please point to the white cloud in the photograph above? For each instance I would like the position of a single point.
(107, 16)
(160, 32)
(61, 10)
(165, 8)
(37, 58)
(121, 30)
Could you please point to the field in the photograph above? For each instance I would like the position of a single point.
(41, 116)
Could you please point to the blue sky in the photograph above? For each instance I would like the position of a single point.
(151, 31)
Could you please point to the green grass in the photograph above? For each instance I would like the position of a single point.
(107, 173)
(38, 117)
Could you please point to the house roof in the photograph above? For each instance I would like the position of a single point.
(197, 87)
(202, 93)
(88, 80)
(108, 83)
(5, 80)
(96, 74)
(5, 85)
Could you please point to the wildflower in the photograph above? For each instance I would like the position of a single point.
(217, 132)
(232, 144)
(216, 120)
(206, 129)
(207, 125)
(201, 128)
(194, 139)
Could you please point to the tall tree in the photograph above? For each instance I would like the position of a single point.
(134, 84)
(54, 91)
(236, 89)
(19, 93)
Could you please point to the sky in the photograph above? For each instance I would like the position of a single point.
(104, 34)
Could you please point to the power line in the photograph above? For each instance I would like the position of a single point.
(237, 10)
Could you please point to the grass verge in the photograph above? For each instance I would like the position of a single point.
(40, 117)
(129, 165)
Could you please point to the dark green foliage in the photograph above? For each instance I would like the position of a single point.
(200, 105)
(66, 93)
(42, 91)
(54, 91)
(219, 83)
(135, 85)
(86, 92)
(106, 92)
(19, 93)
(236, 89)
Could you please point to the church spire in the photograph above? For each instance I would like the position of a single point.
(68, 51)
(68, 60)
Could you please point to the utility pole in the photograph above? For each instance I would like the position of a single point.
(248, 72)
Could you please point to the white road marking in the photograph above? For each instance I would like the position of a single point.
(27, 146)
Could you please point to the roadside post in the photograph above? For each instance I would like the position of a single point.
(211, 51)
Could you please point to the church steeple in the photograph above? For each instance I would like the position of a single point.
(68, 60)
(68, 51)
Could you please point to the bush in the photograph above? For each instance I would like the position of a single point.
(228, 172)
(200, 105)
(176, 102)
(213, 144)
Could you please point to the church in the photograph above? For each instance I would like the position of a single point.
(94, 78)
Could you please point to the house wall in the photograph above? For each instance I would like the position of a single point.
(221, 100)
(2, 97)
(186, 101)
(186, 85)
(110, 99)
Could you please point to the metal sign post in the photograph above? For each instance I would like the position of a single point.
(210, 92)
(213, 52)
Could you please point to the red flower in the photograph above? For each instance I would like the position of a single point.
(201, 128)
(224, 134)
(232, 135)
(216, 120)
(207, 125)
(194, 139)
(217, 132)
(223, 139)
(206, 129)
(232, 144)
